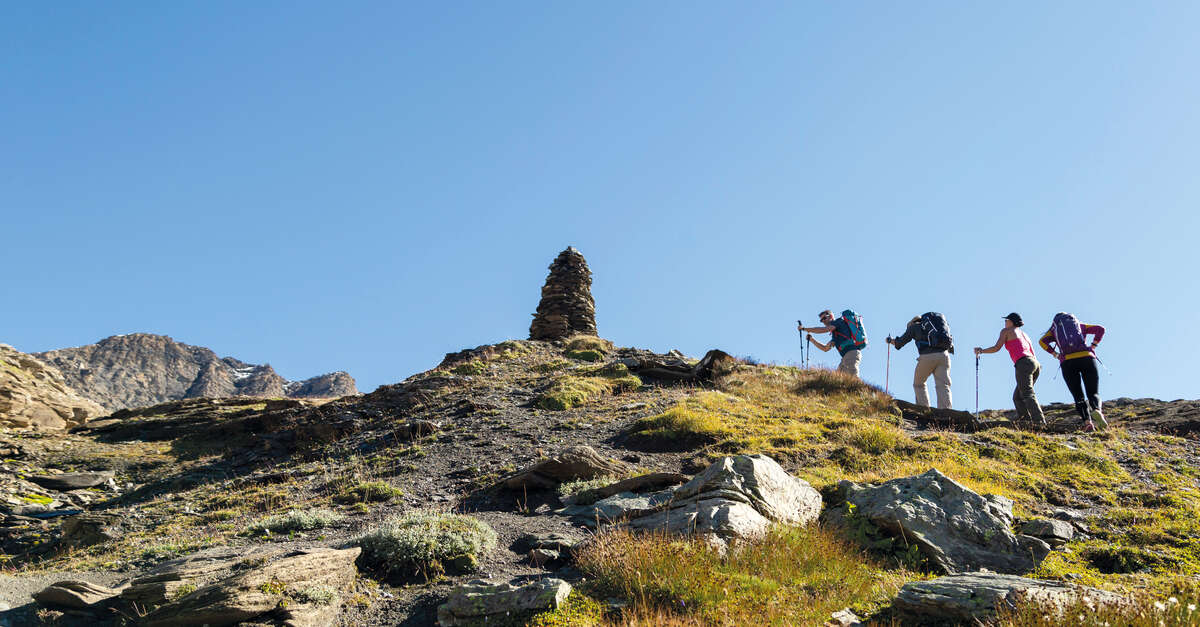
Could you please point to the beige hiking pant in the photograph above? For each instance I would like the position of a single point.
(850, 362)
(938, 365)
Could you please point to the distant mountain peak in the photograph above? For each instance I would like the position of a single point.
(142, 369)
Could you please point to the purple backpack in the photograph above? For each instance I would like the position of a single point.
(1068, 334)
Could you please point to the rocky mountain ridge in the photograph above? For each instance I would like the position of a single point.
(142, 369)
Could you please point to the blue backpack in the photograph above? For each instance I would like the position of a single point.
(937, 332)
(848, 333)
(1068, 334)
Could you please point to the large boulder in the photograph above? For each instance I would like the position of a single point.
(956, 529)
(35, 394)
(575, 463)
(303, 588)
(735, 498)
(473, 603)
(971, 597)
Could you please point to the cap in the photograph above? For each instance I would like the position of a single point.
(1015, 317)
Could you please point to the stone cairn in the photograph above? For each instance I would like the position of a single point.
(567, 307)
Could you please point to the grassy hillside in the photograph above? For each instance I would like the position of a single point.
(244, 473)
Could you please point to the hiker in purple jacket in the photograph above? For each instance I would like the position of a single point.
(1067, 340)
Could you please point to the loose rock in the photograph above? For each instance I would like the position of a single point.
(978, 596)
(472, 602)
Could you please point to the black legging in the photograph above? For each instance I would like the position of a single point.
(1080, 374)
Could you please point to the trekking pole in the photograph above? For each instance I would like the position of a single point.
(976, 385)
(887, 376)
(803, 359)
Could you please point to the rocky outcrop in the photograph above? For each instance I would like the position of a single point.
(35, 394)
(956, 529)
(978, 596)
(473, 603)
(142, 369)
(735, 498)
(566, 307)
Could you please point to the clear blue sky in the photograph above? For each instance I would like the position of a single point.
(368, 186)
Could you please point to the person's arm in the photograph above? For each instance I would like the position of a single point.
(824, 347)
(1047, 343)
(996, 347)
(904, 338)
(1097, 332)
(825, 329)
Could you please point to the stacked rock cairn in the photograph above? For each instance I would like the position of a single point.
(567, 307)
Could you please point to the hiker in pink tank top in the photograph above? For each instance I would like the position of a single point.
(1020, 348)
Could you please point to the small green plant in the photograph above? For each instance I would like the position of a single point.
(369, 491)
(182, 591)
(273, 586)
(296, 520)
(571, 488)
(426, 544)
(316, 595)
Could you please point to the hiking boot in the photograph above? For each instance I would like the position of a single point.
(1099, 418)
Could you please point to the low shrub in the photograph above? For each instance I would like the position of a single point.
(425, 545)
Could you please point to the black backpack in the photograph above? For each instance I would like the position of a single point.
(937, 332)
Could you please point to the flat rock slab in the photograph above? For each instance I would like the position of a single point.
(979, 596)
(71, 480)
(573, 464)
(955, 528)
(75, 594)
(472, 603)
(288, 585)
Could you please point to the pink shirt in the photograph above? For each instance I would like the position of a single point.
(1019, 346)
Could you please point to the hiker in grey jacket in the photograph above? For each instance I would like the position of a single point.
(931, 360)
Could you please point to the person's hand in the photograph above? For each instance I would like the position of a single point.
(810, 337)
(978, 351)
(889, 340)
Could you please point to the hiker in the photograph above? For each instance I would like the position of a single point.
(848, 337)
(934, 347)
(1020, 348)
(1067, 341)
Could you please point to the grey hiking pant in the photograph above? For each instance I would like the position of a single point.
(850, 362)
(1024, 397)
(938, 365)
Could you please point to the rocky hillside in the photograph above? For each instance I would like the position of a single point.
(594, 485)
(142, 369)
(34, 394)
